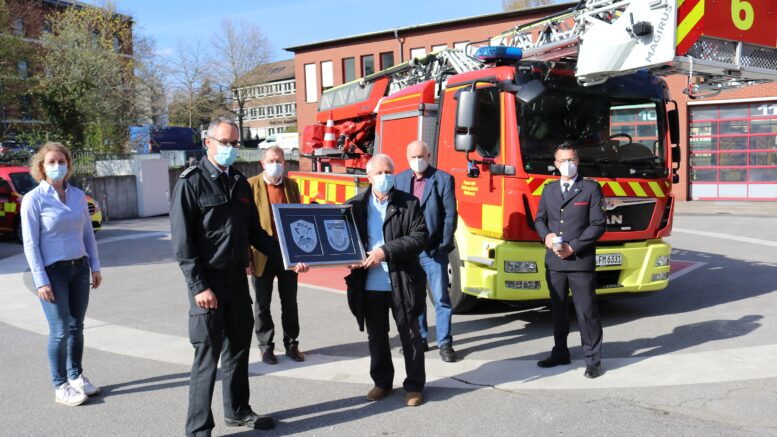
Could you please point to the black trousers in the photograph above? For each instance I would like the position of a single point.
(377, 305)
(583, 285)
(287, 290)
(224, 332)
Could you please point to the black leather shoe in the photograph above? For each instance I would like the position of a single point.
(552, 361)
(594, 371)
(268, 357)
(253, 421)
(294, 353)
(447, 353)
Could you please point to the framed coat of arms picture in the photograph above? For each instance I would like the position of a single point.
(317, 235)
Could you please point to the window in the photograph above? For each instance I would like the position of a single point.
(349, 70)
(116, 44)
(461, 45)
(271, 131)
(417, 53)
(22, 69)
(287, 109)
(260, 112)
(487, 127)
(279, 109)
(327, 75)
(18, 26)
(270, 111)
(311, 85)
(386, 60)
(368, 65)
(439, 47)
(25, 107)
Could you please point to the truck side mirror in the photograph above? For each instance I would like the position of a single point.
(466, 120)
(676, 157)
(530, 91)
(674, 126)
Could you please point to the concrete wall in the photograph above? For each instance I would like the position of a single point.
(117, 195)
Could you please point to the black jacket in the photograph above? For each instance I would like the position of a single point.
(405, 235)
(579, 220)
(211, 228)
(439, 204)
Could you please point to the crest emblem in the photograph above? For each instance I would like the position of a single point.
(337, 234)
(304, 235)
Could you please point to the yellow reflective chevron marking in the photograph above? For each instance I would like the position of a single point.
(617, 189)
(690, 21)
(656, 189)
(637, 189)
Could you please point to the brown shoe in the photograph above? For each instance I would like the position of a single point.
(376, 393)
(268, 357)
(414, 399)
(294, 353)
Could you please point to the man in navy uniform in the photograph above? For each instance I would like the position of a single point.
(572, 209)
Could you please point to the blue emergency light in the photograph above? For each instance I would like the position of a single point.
(498, 53)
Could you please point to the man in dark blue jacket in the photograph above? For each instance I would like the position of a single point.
(436, 191)
(570, 219)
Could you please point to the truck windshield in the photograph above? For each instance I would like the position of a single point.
(615, 137)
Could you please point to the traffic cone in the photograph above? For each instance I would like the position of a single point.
(330, 141)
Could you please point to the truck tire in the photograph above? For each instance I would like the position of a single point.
(460, 302)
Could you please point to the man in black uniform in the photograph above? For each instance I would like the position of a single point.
(213, 219)
(572, 210)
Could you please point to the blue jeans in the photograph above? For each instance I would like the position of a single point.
(436, 269)
(70, 284)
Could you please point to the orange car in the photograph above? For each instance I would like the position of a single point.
(15, 182)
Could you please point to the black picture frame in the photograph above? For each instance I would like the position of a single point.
(317, 235)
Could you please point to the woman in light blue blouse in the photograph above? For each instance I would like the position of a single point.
(62, 253)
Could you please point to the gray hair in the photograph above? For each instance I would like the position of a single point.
(277, 149)
(216, 122)
(379, 157)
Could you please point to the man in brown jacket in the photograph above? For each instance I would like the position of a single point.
(271, 187)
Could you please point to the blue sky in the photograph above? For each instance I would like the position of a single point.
(291, 22)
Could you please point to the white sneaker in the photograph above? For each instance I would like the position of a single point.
(67, 395)
(82, 385)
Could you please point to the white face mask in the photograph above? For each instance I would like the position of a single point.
(568, 169)
(418, 165)
(274, 170)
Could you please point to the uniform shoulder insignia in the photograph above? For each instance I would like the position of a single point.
(186, 173)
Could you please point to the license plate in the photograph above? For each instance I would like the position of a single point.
(609, 259)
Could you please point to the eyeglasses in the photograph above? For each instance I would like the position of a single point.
(567, 160)
(225, 143)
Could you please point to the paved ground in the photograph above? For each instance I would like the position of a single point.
(695, 359)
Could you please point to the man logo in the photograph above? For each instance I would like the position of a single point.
(304, 235)
(337, 234)
(615, 219)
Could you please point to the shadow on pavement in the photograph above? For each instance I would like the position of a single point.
(153, 383)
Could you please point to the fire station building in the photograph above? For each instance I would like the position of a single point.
(728, 141)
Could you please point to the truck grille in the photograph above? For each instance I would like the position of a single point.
(608, 279)
(627, 214)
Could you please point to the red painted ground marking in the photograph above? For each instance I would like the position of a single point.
(329, 277)
(676, 266)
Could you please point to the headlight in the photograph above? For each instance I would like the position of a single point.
(520, 267)
(662, 260)
(523, 285)
(660, 276)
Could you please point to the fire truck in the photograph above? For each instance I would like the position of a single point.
(591, 75)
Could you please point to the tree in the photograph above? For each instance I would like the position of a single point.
(189, 72)
(94, 84)
(238, 51)
(17, 59)
(510, 5)
(206, 104)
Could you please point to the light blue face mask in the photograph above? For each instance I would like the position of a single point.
(383, 183)
(56, 172)
(225, 155)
